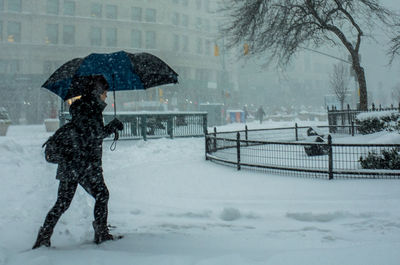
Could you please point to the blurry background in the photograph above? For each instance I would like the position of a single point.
(36, 37)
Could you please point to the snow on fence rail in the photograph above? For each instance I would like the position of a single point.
(255, 149)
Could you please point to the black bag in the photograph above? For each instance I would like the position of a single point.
(59, 144)
(316, 150)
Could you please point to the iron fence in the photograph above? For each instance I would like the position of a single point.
(340, 120)
(334, 161)
(145, 125)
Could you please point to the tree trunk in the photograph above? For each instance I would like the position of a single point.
(363, 89)
(362, 84)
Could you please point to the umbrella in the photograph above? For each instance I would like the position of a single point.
(122, 70)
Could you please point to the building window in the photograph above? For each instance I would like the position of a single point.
(95, 36)
(207, 5)
(69, 35)
(198, 23)
(52, 7)
(150, 15)
(96, 10)
(207, 48)
(136, 39)
(176, 43)
(150, 40)
(15, 66)
(69, 8)
(51, 34)
(136, 13)
(199, 46)
(111, 11)
(207, 25)
(198, 4)
(3, 66)
(185, 43)
(185, 21)
(111, 37)
(14, 5)
(13, 31)
(175, 19)
(10, 66)
(199, 74)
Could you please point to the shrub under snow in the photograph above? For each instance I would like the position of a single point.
(371, 122)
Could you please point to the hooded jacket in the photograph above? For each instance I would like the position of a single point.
(84, 152)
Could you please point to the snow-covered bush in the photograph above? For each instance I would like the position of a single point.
(388, 159)
(371, 122)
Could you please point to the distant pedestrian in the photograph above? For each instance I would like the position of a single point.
(260, 114)
(81, 161)
(246, 113)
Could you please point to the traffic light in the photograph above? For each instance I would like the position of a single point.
(216, 50)
(246, 48)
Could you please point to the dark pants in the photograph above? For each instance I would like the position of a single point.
(94, 184)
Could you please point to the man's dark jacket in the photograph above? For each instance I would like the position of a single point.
(83, 148)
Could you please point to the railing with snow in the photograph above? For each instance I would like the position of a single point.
(282, 150)
(338, 119)
(156, 124)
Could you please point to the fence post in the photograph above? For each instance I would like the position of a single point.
(238, 150)
(330, 157)
(144, 127)
(215, 139)
(296, 132)
(348, 114)
(205, 123)
(352, 128)
(206, 140)
(170, 128)
(246, 135)
(329, 118)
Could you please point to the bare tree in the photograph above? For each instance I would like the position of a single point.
(394, 49)
(283, 27)
(339, 81)
(396, 93)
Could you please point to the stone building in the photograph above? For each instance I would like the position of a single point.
(37, 36)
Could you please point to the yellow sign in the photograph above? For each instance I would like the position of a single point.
(216, 50)
(246, 48)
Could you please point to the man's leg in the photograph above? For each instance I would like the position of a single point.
(94, 184)
(66, 191)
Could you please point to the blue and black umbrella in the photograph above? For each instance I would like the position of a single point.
(122, 70)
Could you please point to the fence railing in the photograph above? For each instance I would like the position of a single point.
(347, 117)
(156, 124)
(333, 161)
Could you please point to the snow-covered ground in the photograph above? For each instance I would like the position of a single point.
(174, 207)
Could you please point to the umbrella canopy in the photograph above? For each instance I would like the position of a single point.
(122, 70)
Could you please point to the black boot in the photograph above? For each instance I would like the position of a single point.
(101, 233)
(43, 238)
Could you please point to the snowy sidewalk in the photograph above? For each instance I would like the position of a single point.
(176, 208)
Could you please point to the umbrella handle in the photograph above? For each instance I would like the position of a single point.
(114, 143)
(116, 135)
(115, 106)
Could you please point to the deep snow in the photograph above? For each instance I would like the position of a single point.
(174, 207)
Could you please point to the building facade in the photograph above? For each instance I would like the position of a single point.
(38, 36)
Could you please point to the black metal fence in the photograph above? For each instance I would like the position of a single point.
(335, 160)
(347, 117)
(156, 124)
